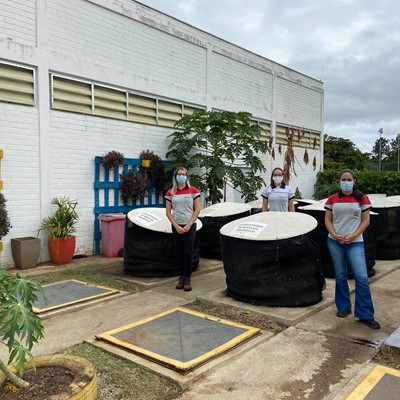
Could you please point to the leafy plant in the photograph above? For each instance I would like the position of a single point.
(112, 159)
(5, 224)
(215, 144)
(62, 223)
(20, 327)
(133, 185)
(156, 173)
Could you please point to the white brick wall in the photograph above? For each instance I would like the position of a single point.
(18, 21)
(242, 85)
(124, 44)
(19, 139)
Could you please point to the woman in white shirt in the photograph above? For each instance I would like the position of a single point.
(278, 196)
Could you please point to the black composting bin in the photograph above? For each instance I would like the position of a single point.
(268, 259)
(214, 218)
(149, 248)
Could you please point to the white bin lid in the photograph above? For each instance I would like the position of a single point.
(225, 209)
(383, 202)
(393, 198)
(321, 207)
(270, 226)
(154, 219)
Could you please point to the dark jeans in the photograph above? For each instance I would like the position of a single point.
(184, 249)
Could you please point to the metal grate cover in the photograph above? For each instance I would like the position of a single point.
(180, 339)
(66, 293)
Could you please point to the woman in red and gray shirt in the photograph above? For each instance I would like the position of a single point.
(182, 209)
(346, 218)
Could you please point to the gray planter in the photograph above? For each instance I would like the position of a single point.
(25, 251)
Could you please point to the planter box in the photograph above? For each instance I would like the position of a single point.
(25, 251)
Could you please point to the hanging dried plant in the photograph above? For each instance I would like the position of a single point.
(112, 159)
(133, 186)
(156, 173)
(314, 143)
(280, 149)
(273, 154)
(271, 140)
(314, 163)
(305, 157)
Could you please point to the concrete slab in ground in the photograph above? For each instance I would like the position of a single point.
(287, 366)
(185, 380)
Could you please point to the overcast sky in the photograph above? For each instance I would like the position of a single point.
(353, 46)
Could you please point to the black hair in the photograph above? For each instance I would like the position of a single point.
(283, 184)
(356, 192)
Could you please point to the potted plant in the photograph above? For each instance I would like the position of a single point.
(20, 328)
(5, 225)
(112, 159)
(133, 185)
(60, 227)
(155, 170)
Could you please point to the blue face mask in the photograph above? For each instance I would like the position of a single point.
(346, 186)
(181, 178)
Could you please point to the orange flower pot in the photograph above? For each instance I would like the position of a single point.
(61, 249)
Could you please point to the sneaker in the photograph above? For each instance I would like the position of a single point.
(343, 313)
(371, 323)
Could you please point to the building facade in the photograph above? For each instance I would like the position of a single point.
(79, 78)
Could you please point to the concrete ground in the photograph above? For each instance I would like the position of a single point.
(318, 357)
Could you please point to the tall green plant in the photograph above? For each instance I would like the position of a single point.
(20, 328)
(62, 223)
(215, 144)
(5, 225)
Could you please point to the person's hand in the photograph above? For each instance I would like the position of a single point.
(180, 229)
(187, 227)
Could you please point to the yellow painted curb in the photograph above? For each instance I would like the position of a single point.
(370, 381)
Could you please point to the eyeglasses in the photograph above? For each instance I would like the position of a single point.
(180, 174)
(277, 176)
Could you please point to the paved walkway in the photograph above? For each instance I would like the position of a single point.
(318, 357)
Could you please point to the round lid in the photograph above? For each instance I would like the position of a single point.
(270, 226)
(315, 206)
(154, 219)
(321, 207)
(393, 198)
(376, 195)
(307, 201)
(224, 209)
(383, 202)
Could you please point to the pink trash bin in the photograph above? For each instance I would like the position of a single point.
(112, 234)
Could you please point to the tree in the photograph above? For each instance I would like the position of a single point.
(214, 144)
(382, 146)
(340, 153)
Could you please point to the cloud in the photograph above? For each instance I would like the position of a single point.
(353, 46)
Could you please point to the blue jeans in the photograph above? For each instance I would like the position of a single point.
(355, 254)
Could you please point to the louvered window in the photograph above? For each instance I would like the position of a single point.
(189, 110)
(142, 109)
(17, 85)
(71, 95)
(109, 103)
(168, 113)
(301, 137)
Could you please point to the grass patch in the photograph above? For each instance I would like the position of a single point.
(120, 379)
(245, 317)
(92, 274)
(388, 356)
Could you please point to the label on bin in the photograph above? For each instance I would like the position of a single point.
(250, 229)
(147, 218)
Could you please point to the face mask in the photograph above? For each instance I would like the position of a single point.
(181, 178)
(277, 179)
(346, 186)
